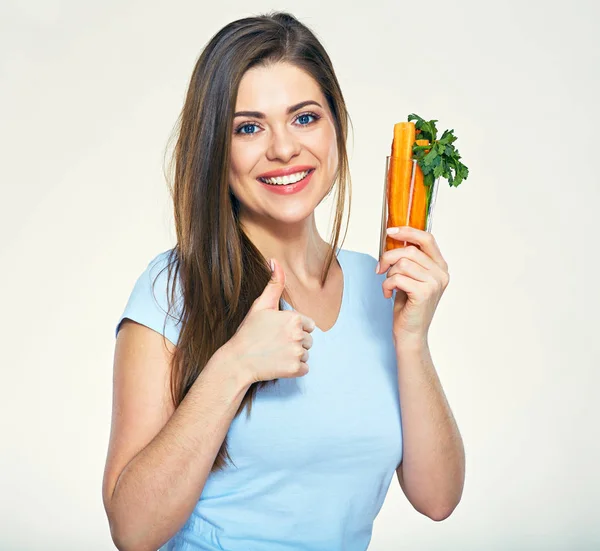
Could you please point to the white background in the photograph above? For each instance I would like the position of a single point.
(89, 93)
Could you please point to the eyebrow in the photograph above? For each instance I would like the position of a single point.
(259, 115)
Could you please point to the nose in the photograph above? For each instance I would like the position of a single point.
(283, 145)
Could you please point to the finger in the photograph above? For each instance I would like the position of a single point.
(304, 357)
(405, 266)
(307, 341)
(303, 369)
(308, 324)
(392, 256)
(269, 298)
(402, 282)
(298, 370)
(424, 239)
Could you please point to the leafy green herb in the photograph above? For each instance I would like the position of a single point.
(443, 159)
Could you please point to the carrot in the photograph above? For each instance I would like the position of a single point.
(417, 162)
(404, 139)
(399, 178)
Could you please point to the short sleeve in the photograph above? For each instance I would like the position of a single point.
(148, 301)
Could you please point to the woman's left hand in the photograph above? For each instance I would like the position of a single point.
(420, 277)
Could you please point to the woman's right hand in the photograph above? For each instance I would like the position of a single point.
(272, 343)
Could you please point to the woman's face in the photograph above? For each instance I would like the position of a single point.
(281, 121)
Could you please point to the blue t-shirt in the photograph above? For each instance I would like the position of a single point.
(314, 461)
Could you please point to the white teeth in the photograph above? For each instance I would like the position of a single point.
(285, 180)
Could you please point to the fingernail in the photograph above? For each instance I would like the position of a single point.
(377, 268)
(272, 265)
(393, 230)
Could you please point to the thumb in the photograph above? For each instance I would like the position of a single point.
(269, 299)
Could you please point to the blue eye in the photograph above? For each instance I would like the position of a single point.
(241, 128)
(304, 117)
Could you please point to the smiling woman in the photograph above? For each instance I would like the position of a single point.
(282, 117)
(224, 321)
(272, 128)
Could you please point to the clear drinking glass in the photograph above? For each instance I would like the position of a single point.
(409, 204)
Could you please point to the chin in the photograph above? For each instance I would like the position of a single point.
(293, 216)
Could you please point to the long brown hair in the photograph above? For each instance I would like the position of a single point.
(220, 270)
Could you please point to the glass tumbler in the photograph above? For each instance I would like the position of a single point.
(406, 201)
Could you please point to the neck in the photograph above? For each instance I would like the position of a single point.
(298, 248)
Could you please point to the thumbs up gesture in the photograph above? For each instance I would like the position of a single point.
(271, 343)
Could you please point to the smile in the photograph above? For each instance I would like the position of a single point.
(287, 180)
(288, 185)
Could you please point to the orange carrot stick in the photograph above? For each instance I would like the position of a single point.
(399, 179)
(404, 139)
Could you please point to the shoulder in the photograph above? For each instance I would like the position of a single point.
(365, 288)
(159, 276)
(357, 258)
(150, 301)
(360, 265)
(158, 268)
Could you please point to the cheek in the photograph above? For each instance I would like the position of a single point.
(333, 153)
(324, 146)
(238, 159)
(330, 149)
(242, 161)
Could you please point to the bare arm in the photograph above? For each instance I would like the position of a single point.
(159, 457)
(432, 471)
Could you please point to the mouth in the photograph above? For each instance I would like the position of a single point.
(287, 180)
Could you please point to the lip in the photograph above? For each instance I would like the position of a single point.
(289, 189)
(285, 171)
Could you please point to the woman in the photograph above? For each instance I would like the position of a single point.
(261, 143)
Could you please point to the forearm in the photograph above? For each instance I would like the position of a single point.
(157, 491)
(433, 465)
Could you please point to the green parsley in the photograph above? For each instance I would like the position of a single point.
(443, 159)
